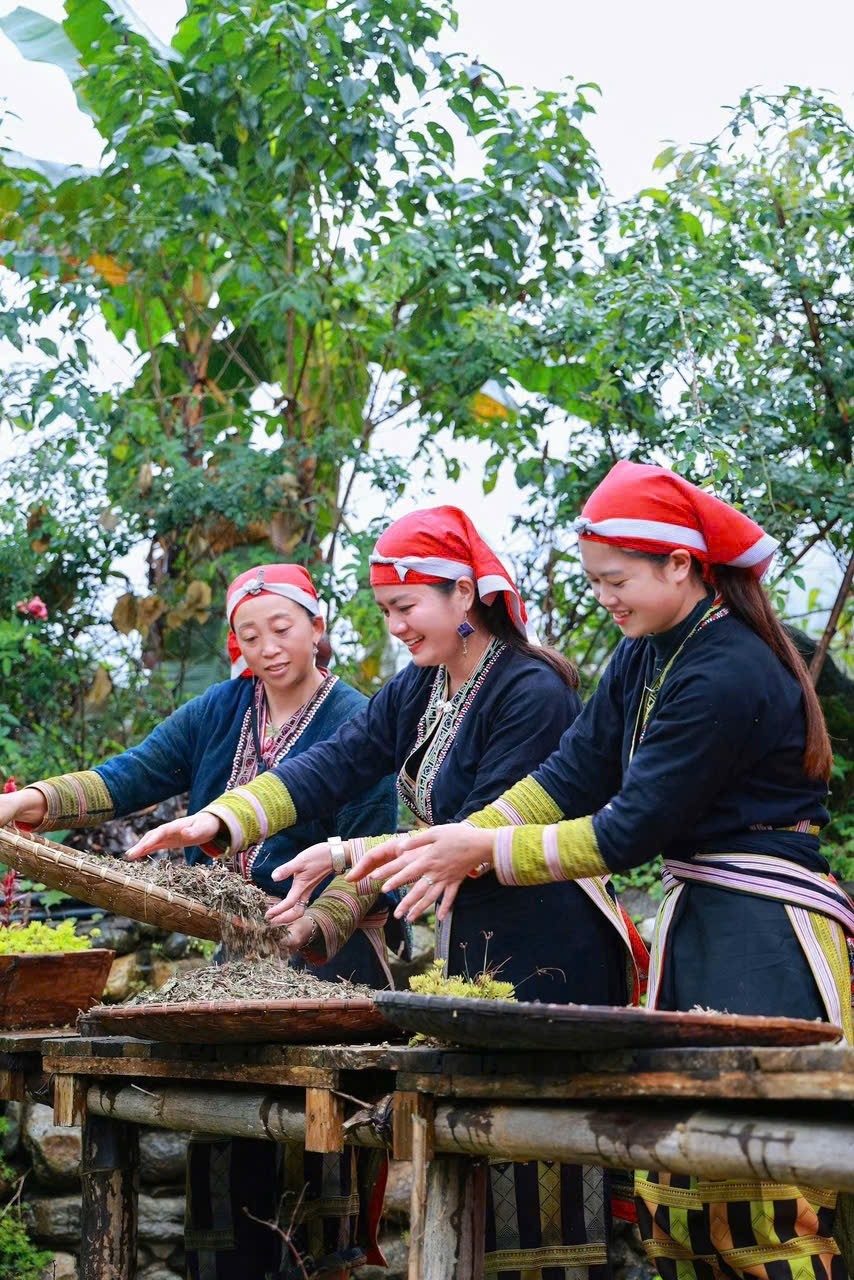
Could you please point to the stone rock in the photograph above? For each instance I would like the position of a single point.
(125, 978)
(117, 933)
(63, 1267)
(398, 1190)
(161, 971)
(161, 1219)
(11, 1136)
(158, 1271)
(639, 904)
(53, 1220)
(397, 1256)
(174, 946)
(54, 1151)
(162, 1156)
(626, 1253)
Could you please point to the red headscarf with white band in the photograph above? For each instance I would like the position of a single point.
(290, 581)
(645, 508)
(440, 544)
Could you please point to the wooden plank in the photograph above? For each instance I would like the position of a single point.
(215, 1073)
(324, 1121)
(330, 1057)
(818, 1086)
(13, 1085)
(454, 1219)
(69, 1100)
(109, 1172)
(26, 1041)
(418, 1196)
(405, 1107)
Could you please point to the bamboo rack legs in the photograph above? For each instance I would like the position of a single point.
(110, 1185)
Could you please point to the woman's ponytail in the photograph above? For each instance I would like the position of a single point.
(745, 597)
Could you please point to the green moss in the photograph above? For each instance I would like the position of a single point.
(482, 987)
(38, 938)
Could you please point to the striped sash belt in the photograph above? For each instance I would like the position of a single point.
(812, 902)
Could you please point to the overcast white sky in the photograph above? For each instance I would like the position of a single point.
(666, 69)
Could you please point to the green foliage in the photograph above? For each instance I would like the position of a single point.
(483, 986)
(326, 268)
(292, 253)
(38, 938)
(19, 1257)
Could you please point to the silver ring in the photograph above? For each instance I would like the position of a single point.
(302, 902)
(428, 880)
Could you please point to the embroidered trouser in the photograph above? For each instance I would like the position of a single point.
(744, 954)
(696, 1229)
(546, 1221)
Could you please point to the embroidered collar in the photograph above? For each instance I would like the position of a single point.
(436, 731)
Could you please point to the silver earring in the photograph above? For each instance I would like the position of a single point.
(314, 653)
(464, 630)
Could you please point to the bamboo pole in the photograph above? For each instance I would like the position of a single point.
(776, 1147)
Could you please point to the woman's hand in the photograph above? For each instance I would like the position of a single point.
(196, 828)
(308, 869)
(434, 862)
(28, 805)
(298, 934)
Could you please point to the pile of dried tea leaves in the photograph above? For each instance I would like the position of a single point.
(244, 980)
(240, 903)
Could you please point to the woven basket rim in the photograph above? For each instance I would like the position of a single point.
(184, 1007)
(61, 856)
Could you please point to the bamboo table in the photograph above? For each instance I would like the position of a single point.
(783, 1115)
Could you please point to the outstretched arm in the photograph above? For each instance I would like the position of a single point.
(300, 789)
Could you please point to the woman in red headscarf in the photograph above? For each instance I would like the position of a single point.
(704, 742)
(280, 704)
(477, 705)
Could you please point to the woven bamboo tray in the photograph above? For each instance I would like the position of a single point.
(246, 1021)
(59, 867)
(503, 1024)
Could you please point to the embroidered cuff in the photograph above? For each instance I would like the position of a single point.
(253, 812)
(527, 801)
(543, 854)
(75, 800)
(359, 846)
(338, 912)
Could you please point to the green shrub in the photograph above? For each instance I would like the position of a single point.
(19, 1257)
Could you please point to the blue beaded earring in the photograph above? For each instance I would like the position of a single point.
(464, 630)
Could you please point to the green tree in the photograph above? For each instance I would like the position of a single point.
(282, 239)
(711, 328)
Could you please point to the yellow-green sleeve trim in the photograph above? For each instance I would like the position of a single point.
(75, 800)
(252, 813)
(525, 802)
(543, 854)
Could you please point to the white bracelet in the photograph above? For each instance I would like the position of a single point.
(339, 854)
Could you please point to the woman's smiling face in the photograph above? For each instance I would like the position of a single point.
(425, 618)
(642, 596)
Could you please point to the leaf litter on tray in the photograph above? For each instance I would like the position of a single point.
(250, 980)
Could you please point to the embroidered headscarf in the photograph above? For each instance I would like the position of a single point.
(440, 544)
(288, 580)
(645, 508)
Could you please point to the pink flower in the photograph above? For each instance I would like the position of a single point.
(35, 608)
(9, 785)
